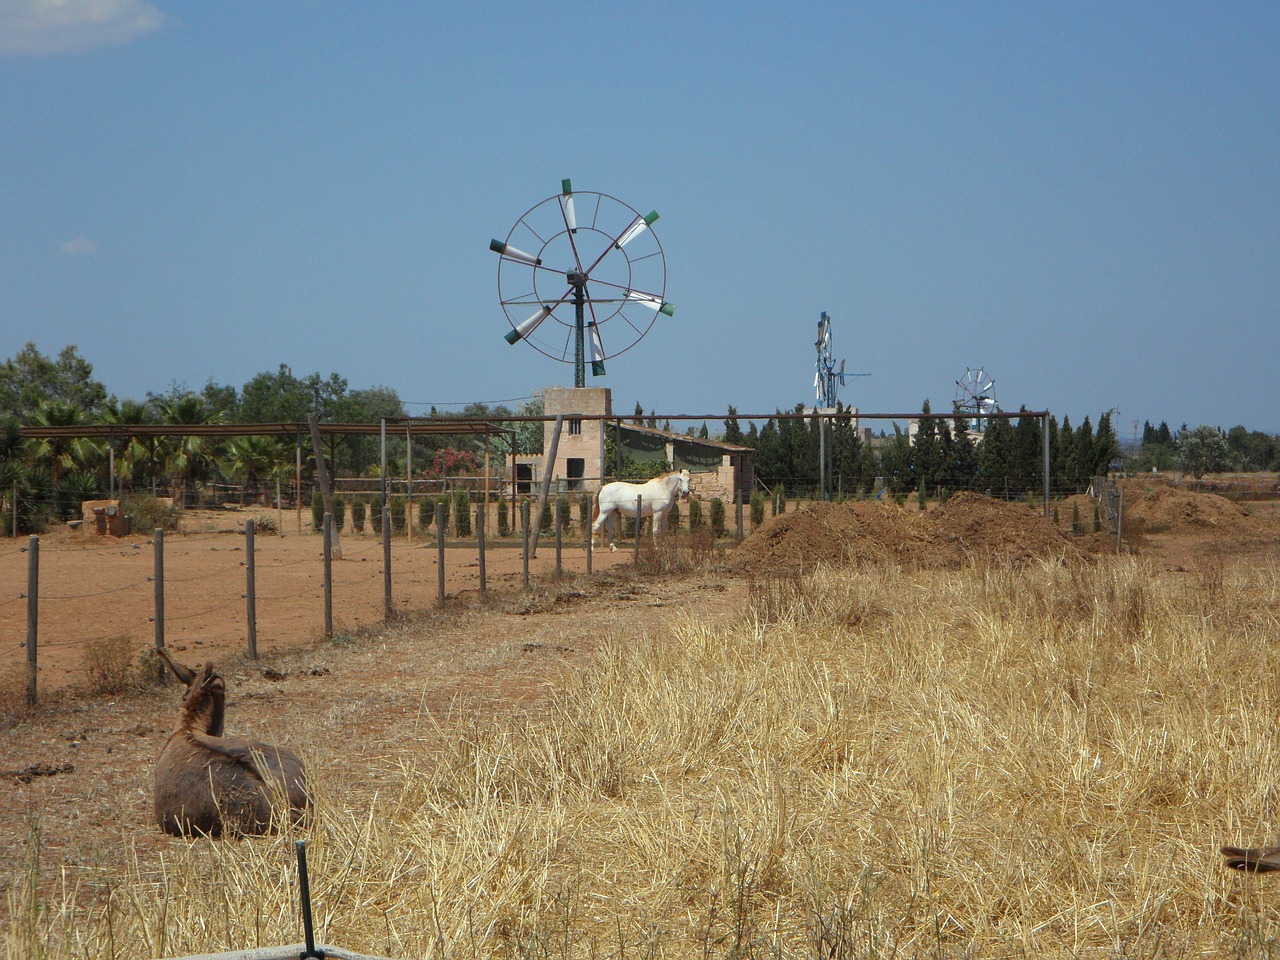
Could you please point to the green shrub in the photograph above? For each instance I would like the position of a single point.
(757, 508)
(717, 516)
(339, 513)
(397, 508)
(375, 515)
(504, 518)
(695, 514)
(462, 513)
(585, 505)
(150, 513)
(443, 501)
(673, 516)
(779, 499)
(357, 514)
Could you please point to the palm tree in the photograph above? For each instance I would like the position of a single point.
(252, 459)
(133, 456)
(58, 455)
(189, 459)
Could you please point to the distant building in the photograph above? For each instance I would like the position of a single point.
(717, 469)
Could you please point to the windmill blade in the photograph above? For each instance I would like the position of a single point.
(650, 301)
(566, 202)
(513, 253)
(526, 327)
(638, 226)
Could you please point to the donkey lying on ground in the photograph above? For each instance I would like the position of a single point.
(212, 784)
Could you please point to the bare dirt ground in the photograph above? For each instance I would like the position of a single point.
(80, 766)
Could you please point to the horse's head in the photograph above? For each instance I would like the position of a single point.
(204, 706)
(683, 487)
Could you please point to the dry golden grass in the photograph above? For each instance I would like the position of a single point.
(1036, 761)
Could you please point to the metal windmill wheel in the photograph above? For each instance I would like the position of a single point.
(976, 397)
(591, 265)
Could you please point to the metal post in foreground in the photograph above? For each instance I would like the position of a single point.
(1119, 516)
(639, 524)
(386, 565)
(250, 594)
(33, 615)
(440, 552)
(524, 519)
(559, 539)
(328, 576)
(480, 512)
(158, 541)
(591, 537)
(1044, 443)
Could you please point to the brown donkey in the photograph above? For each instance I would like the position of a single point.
(212, 784)
(1255, 859)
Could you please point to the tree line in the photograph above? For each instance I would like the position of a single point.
(51, 477)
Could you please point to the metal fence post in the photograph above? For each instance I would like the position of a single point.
(386, 563)
(158, 542)
(251, 595)
(559, 538)
(524, 519)
(480, 512)
(328, 576)
(33, 616)
(440, 552)
(639, 524)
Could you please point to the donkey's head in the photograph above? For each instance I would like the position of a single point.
(204, 706)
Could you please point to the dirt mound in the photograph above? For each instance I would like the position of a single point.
(1163, 508)
(874, 532)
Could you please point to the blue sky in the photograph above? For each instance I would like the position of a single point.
(1083, 199)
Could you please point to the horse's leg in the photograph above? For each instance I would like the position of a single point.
(603, 518)
(660, 522)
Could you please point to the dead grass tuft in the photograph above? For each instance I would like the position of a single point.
(109, 665)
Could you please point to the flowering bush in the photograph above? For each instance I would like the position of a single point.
(449, 462)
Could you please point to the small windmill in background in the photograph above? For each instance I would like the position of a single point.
(976, 397)
(827, 380)
(826, 383)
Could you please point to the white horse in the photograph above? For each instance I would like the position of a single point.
(655, 496)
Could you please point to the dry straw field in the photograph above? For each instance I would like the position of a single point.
(864, 732)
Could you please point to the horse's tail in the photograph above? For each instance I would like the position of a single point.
(595, 508)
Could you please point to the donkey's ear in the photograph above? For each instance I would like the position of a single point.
(185, 674)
